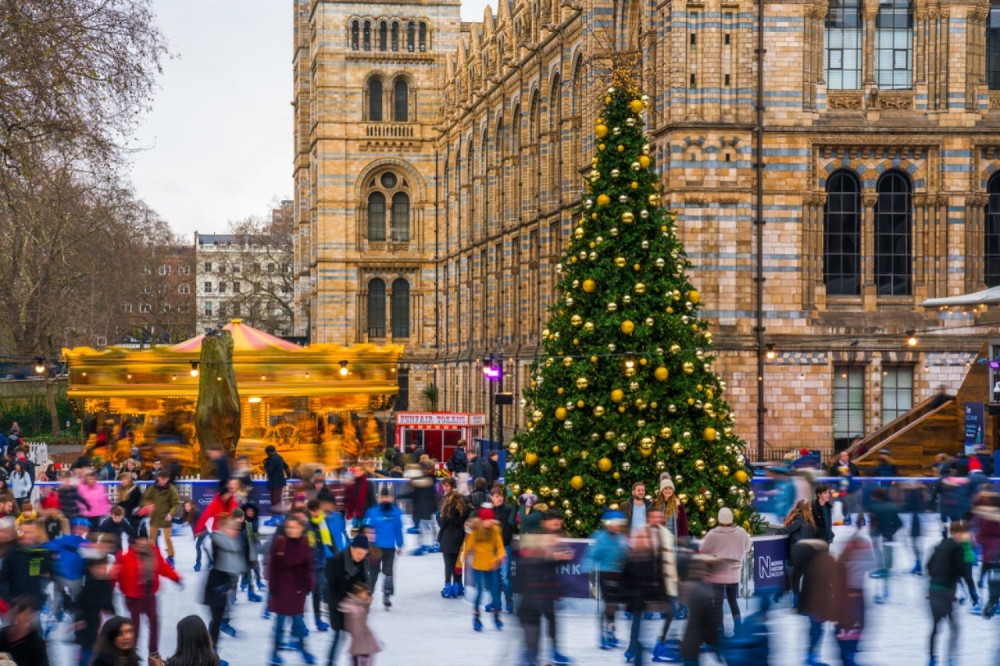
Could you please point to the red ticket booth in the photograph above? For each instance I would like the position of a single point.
(439, 430)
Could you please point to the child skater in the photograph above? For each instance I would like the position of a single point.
(355, 608)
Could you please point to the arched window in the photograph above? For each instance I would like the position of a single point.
(400, 218)
(400, 308)
(423, 36)
(991, 253)
(376, 216)
(993, 47)
(354, 35)
(368, 36)
(375, 99)
(842, 235)
(893, 231)
(376, 309)
(383, 35)
(400, 101)
(409, 36)
(395, 36)
(894, 45)
(844, 39)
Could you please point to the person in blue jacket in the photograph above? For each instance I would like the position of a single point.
(386, 519)
(67, 560)
(335, 523)
(606, 557)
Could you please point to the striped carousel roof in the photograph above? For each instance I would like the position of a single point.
(245, 339)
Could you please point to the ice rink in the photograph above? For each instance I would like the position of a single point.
(423, 628)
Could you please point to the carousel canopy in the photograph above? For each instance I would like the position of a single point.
(245, 339)
(265, 366)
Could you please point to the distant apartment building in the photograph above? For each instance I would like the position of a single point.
(162, 310)
(246, 275)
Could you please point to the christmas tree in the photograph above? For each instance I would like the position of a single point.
(623, 390)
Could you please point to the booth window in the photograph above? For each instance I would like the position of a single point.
(897, 392)
(848, 404)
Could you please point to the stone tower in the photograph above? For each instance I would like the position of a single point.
(369, 78)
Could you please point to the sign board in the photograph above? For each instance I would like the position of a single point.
(770, 556)
(975, 420)
(574, 582)
(439, 419)
(203, 492)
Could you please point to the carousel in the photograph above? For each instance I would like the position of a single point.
(321, 403)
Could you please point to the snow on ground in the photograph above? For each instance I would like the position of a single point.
(423, 628)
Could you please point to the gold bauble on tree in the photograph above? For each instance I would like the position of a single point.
(531, 458)
(617, 395)
(709, 434)
(661, 374)
(600, 499)
(601, 130)
(699, 465)
(640, 288)
(666, 432)
(694, 296)
(603, 199)
(576, 320)
(677, 448)
(599, 411)
(740, 476)
(644, 161)
(576, 482)
(589, 286)
(604, 464)
(582, 383)
(688, 367)
(627, 327)
(628, 217)
(635, 106)
(561, 413)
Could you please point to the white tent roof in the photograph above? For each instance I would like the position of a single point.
(989, 296)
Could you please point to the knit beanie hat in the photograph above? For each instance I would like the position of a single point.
(359, 541)
(486, 513)
(725, 516)
(666, 481)
(238, 513)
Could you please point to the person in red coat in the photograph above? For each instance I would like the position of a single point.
(138, 577)
(222, 503)
(291, 578)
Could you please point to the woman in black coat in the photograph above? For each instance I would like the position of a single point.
(451, 520)
(799, 526)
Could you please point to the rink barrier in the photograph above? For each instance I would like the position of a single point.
(203, 490)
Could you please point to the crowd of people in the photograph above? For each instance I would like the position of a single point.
(77, 554)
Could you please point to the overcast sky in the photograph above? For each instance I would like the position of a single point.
(218, 143)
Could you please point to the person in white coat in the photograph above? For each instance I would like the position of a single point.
(730, 544)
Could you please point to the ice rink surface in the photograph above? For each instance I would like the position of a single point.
(423, 628)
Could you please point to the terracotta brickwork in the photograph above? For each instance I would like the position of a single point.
(504, 111)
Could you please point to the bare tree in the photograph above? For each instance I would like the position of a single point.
(67, 245)
(260, 271)
(75, 72)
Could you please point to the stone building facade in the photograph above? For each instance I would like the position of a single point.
(875, 150)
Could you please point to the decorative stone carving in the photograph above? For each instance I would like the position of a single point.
(841, 100)
(895, 100)
(994, 101)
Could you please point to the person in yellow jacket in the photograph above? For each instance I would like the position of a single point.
(484, 546)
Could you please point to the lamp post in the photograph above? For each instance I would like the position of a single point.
(493, 371)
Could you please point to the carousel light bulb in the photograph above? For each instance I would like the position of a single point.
(343, 368)
(194, 368)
